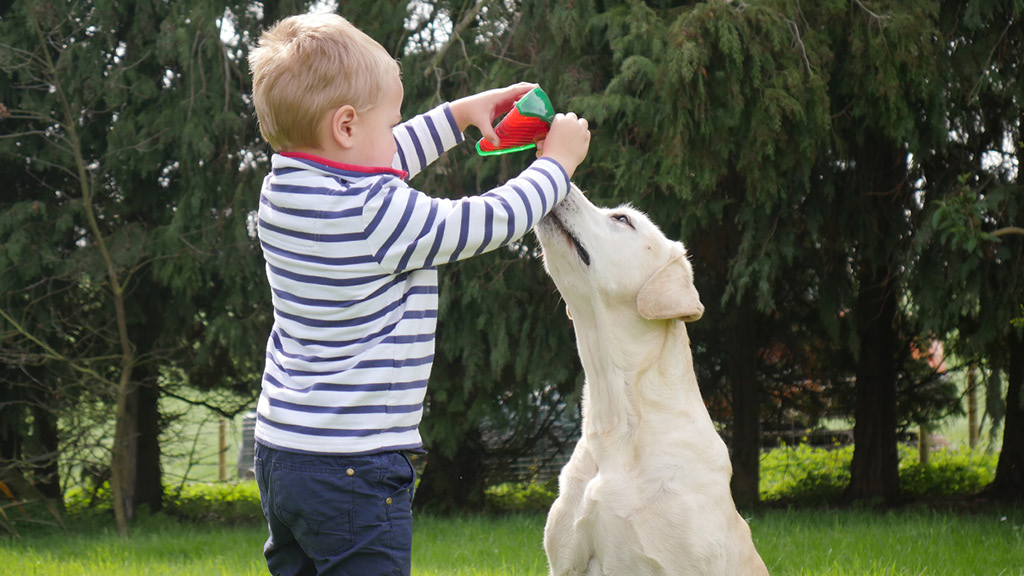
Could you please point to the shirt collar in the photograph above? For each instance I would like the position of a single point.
(348, 168)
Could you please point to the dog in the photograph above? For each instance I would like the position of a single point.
(646, 491)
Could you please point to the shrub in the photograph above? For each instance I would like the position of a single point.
(812, 475)
(221, 502)
(805, 473)
(817, 475)
(521, 497)
(80, 502)
(947, 473)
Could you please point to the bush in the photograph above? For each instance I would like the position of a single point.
(521, 497)
(79, 502)
(811, 475)
(805, 473)
(221, 502)
(948, 473)
(817, 475)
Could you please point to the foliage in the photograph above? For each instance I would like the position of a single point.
(814, 475)
(126, 252)
(521, 497)
(947, 473)
(221, 503)
(806, 152)
(807, 474)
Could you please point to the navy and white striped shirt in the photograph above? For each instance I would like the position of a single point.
(351, 258)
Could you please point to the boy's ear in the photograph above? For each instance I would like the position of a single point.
(342, 123)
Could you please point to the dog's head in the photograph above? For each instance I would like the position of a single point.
(616, 261)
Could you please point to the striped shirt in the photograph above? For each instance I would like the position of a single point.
(351, 255)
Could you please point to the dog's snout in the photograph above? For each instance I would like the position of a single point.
(573, 240)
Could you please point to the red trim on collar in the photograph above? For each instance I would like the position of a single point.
(347, 167)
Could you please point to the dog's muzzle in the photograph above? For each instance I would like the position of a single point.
(580, 250)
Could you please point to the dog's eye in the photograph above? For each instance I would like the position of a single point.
(623, 218)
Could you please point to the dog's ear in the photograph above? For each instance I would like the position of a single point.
(669, 293)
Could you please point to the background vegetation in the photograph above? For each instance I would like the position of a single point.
(845, 174)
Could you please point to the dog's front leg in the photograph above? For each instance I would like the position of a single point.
(568, 552)
(567, 537)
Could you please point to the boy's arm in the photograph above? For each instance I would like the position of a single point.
(408, 230)
(423, 139)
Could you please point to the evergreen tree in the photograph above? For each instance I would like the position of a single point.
(505, 369)
(969, 286)
(126, 250)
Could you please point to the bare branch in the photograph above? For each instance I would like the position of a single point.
(467, 18)
(1008, 230)
(50, 353)
(988, 62)
(878, 18)
(212, 407)
(798, 41)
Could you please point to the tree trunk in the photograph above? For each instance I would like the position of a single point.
(455, 483)
(972, 406)
(10, 424)
(47, 476)
(874, 472)
(123, 453)
(746, 407)
(149, 489)
(1008, 483)
(880, 176)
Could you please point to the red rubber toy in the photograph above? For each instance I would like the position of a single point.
(526, 124)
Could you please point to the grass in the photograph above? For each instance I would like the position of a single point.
(905, 542)
(221, 539)
(910, 541)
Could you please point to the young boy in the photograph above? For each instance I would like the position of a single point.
(351, 253)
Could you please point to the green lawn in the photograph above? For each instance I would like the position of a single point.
(796, 542)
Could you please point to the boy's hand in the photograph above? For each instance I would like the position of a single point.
(481, 110)
(567, 142)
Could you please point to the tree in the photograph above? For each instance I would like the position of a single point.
(127, 121)
(969, 282)
(504, 368)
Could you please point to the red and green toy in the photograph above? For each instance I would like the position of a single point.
(526, 124)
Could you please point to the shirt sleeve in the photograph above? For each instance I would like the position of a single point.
(407, 229)
(423, 139)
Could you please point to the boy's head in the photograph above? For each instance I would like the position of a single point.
(308, 65)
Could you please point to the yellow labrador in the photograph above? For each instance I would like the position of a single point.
(646, 491)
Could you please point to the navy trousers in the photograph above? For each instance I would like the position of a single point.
(336, 515)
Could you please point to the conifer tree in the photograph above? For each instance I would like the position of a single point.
(968, 283)
(126, 252)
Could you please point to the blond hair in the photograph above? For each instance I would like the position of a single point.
(305, 66)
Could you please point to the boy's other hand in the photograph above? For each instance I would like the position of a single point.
(481, 110)
(567, 142)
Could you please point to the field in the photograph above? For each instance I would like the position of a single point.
(913, 541)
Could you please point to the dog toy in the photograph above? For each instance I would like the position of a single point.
(520, 129)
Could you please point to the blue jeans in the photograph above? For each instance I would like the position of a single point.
(334, 515)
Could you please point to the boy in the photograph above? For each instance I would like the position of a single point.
(351, 253)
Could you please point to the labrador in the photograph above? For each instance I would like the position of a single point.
(646, 491)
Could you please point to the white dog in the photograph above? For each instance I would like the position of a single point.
(646, 491)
